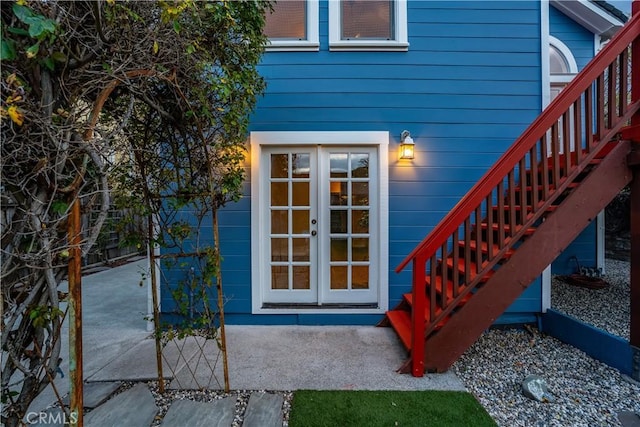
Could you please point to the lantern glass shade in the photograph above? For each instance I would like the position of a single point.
(407, 148)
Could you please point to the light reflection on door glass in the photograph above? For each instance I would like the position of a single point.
(360, 165)
(338, 164)
(301, 165)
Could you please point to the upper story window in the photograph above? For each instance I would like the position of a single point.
(562, 63)
(368, 25)
(293, 25)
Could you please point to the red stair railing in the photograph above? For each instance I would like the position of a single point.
(511, 197)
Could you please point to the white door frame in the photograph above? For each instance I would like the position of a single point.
(378, 139)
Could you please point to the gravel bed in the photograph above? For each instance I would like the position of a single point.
(586, 392)
(607, 309)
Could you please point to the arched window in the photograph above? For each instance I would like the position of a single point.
(557, 62)
(562, 64)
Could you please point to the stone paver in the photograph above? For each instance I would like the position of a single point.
(629, 419)
(94, 394)
(263, 410)
(200, 414)
(134, 407)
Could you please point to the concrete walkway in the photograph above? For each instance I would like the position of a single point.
(117, 347)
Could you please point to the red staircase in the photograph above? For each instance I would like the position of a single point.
(556, 177)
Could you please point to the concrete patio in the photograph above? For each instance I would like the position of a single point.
(118, 347)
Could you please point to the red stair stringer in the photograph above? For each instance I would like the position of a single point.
(551, 237)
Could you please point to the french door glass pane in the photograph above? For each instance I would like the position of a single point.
(301, 277)
(279, 250)
(300, 193)
(339, 193)
(300, 221)
(279, 277)
(360, 193)
(360, 277)
(360, 165)
(279, 194)
(339, 278)
(359, 221)
(339, 221)
(339, 249)
(338, 165)
(279, 166)
(279, 221)
(360, 249)
(301, 165)
(300, 250)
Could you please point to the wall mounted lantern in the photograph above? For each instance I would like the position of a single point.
(406, 146)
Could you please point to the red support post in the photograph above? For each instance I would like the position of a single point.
(417, 317)
(634, 338)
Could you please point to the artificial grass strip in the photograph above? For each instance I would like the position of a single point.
(312, 408)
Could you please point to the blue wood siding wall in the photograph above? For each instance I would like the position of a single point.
(581, 43)
(467, 87)
(469, 84)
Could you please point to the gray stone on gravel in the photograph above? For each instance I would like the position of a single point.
(95, 394)
(535, 387)
(263, 410)
(629, 419)
(133, 407)
(218, 413)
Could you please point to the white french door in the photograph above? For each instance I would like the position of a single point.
(321, 212)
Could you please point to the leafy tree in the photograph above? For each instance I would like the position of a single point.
(150, 99)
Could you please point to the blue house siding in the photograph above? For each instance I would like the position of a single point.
(469, 84)
(467, 87)
(581, 43)
(576, 37)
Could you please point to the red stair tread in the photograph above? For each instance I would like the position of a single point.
(401, 323)
(484, 247)
(506, 227)
(427, 317)
(472, 266)
(506, 208)
(551, 187)
(448, 287)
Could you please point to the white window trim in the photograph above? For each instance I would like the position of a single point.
(312, 42)
(371, 138)
(401, 42)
